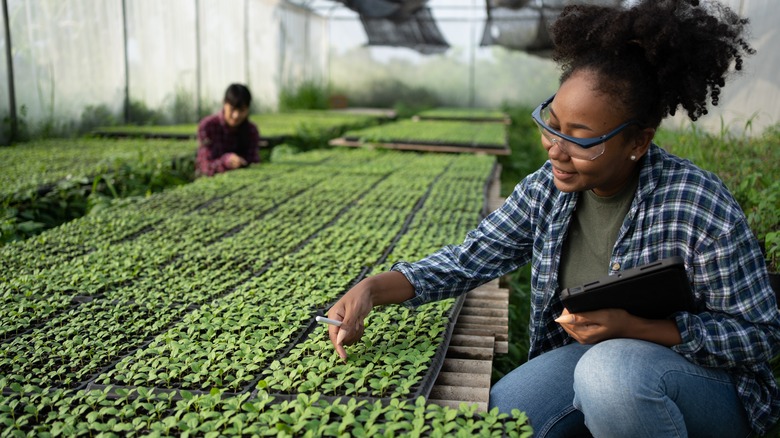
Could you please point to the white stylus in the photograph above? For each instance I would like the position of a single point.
(328, 321)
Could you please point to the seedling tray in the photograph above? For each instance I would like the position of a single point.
(425, 146)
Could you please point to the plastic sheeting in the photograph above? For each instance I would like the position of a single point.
(750, 101)
(175, 57)
(157, 75)
(67, 55)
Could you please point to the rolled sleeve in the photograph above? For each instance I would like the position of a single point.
(406, 269)
(488, 251)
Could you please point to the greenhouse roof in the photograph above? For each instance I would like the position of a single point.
(513, 24)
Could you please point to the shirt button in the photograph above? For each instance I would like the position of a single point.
(616, 266)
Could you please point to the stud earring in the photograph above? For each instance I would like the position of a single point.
(633, 158)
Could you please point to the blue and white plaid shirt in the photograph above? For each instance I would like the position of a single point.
(679, 209)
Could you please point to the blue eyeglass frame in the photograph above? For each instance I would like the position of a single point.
(584, 143)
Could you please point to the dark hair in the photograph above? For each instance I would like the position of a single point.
(238, 96)
(655, 56)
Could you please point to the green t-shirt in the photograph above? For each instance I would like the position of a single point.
(592, 234)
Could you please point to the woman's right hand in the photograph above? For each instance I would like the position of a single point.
(353, 308)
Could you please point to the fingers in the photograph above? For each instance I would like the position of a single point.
(574, 321)
(336, 334)
(340, 344)
(351, 310)
(349, 333)
(566, 318)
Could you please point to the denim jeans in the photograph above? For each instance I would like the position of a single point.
(622, 388)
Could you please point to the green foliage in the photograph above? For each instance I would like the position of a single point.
(772, 247)
(527, 151)
(191, 311)
(51, 182)
(144, 412)
(139, 114)
(406, 99)
(442, 132)
(464, 114)
(95, 116)
(386, 363)
(22, 129)
(308, 95)
(182, 107)
(304, 129)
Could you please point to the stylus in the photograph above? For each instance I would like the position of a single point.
(324, 320)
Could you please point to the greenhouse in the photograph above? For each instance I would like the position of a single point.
(363, 218)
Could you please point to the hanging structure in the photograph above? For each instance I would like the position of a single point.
(524, 24)
(399, 23)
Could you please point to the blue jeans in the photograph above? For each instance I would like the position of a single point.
(622, 388)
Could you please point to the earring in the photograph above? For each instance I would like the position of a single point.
(633, 158)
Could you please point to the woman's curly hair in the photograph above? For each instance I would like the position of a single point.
(655, 56)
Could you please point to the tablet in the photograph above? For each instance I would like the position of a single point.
(653, 291)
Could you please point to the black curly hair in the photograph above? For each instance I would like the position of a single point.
(655, 56)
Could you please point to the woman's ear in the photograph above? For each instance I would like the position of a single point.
(642, 142)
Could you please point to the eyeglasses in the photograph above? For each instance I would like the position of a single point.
(580, 148)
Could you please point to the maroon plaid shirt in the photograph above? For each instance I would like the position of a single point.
(216, 138)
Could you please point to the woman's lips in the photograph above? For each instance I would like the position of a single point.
(562, 174)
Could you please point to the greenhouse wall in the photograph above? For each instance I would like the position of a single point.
(470, 75)
(78, 62)
(465, 75)
(750, 101)
(67, 55)
(158, 75)
(5, 102)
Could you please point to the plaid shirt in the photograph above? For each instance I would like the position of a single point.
(216, 138)
(678, 209)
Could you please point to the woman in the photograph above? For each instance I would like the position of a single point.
(227, 140)
(608, 199)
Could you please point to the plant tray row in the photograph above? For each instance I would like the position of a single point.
(424, 146)
(211, 289)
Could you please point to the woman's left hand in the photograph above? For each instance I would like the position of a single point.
(596, 326)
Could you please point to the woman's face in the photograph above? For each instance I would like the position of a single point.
(234, 116)
(580, 111)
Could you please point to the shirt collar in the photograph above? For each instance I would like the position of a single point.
(650, 173)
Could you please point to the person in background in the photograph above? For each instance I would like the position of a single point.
(609, 199)
(227, 140)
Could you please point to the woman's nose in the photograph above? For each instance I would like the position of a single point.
(555, 152)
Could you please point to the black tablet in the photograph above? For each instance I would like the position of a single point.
(653, 291)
